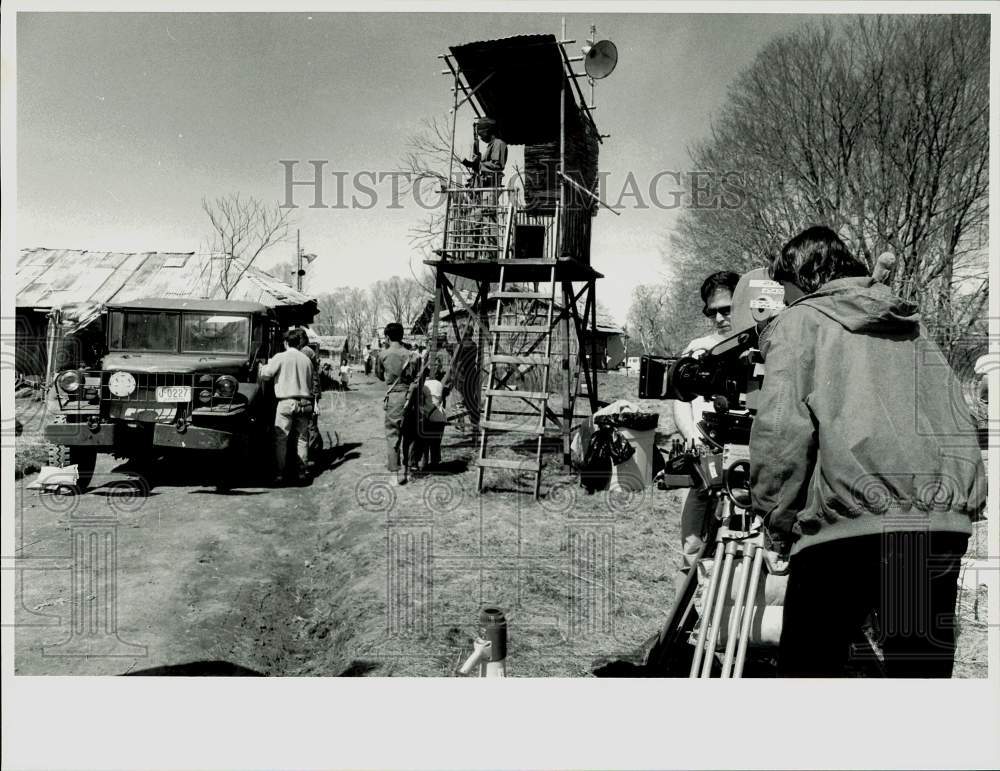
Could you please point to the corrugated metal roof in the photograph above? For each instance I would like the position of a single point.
(525, 74)
(53, 277)
(332, 342)
(196, 305)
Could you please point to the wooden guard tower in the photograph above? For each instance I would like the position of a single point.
(521, 247)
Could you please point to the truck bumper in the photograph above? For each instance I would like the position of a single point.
(193, 438)
(81, 435)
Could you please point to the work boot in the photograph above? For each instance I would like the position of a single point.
(401, 476)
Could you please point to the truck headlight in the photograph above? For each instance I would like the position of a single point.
(69, 381)
(226, 386)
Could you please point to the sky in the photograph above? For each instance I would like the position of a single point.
(125, 121)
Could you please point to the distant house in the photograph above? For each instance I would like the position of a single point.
(83, 282)
(611, 342)
(334, 347)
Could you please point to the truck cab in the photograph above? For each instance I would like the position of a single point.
(176, 374)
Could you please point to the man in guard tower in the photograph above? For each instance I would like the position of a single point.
(485, 179)
(488, 166)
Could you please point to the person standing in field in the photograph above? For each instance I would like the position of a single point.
(717, 296)
(395, 365)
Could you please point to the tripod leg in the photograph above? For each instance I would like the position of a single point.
(721, 594)
(735, 617)
(709, 601)
(755, 573)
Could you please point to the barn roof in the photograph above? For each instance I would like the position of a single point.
(188, 304)
(332, 342)
(517, 82)
(48, 278)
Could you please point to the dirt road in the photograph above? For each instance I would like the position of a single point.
(201, 574)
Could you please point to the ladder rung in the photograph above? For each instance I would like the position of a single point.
(520, 328)
(537, 395)
(515, 465)
(498, 358)
(499, 425)
(523, 295)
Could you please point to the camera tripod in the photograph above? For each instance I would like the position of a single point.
(739, 566)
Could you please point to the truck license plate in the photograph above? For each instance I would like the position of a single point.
(173, 393)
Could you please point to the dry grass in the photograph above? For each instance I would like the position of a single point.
(580, 577)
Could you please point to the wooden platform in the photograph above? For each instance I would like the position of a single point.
(521, 271)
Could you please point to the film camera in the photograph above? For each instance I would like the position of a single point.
(729, 375)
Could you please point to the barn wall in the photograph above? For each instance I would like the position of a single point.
(30, 351)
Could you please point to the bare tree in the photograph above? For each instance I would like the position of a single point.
(356, 311)
(425, 166)
(877, 128)
(649, 321)
(330, 320)
(401, 298)
(242, 228)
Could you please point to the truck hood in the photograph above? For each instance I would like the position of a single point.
(183, 363)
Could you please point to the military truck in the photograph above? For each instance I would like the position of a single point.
(177, 374)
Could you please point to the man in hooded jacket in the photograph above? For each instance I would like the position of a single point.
(866, 469)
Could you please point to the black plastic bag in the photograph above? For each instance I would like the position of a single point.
(636, 421)
(607, 447)
(621, 449)
(595, 473)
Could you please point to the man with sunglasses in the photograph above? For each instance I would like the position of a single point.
(717, 298)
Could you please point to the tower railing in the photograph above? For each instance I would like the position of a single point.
(478, 224)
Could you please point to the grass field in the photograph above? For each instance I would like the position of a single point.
(580, 577)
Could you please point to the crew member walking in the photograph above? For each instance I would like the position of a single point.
(292, 373)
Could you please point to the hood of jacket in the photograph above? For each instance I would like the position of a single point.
(863, 305)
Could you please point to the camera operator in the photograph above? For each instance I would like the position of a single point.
(863, 470)
(717, 298)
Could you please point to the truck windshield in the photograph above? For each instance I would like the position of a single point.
(214, 333)
(143, 331)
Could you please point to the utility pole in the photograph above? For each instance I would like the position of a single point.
(298, 261)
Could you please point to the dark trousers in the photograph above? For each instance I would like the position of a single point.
(427, 444)
(901, 585)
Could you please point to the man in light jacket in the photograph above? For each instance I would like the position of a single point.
(866, 469)
(292, 372)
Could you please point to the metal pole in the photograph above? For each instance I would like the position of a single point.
(735, 615)
(592, 385)
(721, 595)
(561, 171)
(567, 411)
(593, 40)
(451, 168)
(298, 262)
(756, 571)
(706, 607)
(435, 323)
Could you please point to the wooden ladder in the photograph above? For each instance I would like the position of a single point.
(518, 313)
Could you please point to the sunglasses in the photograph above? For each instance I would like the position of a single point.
(725, 310)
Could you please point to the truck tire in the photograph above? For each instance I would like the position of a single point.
(61, 455)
